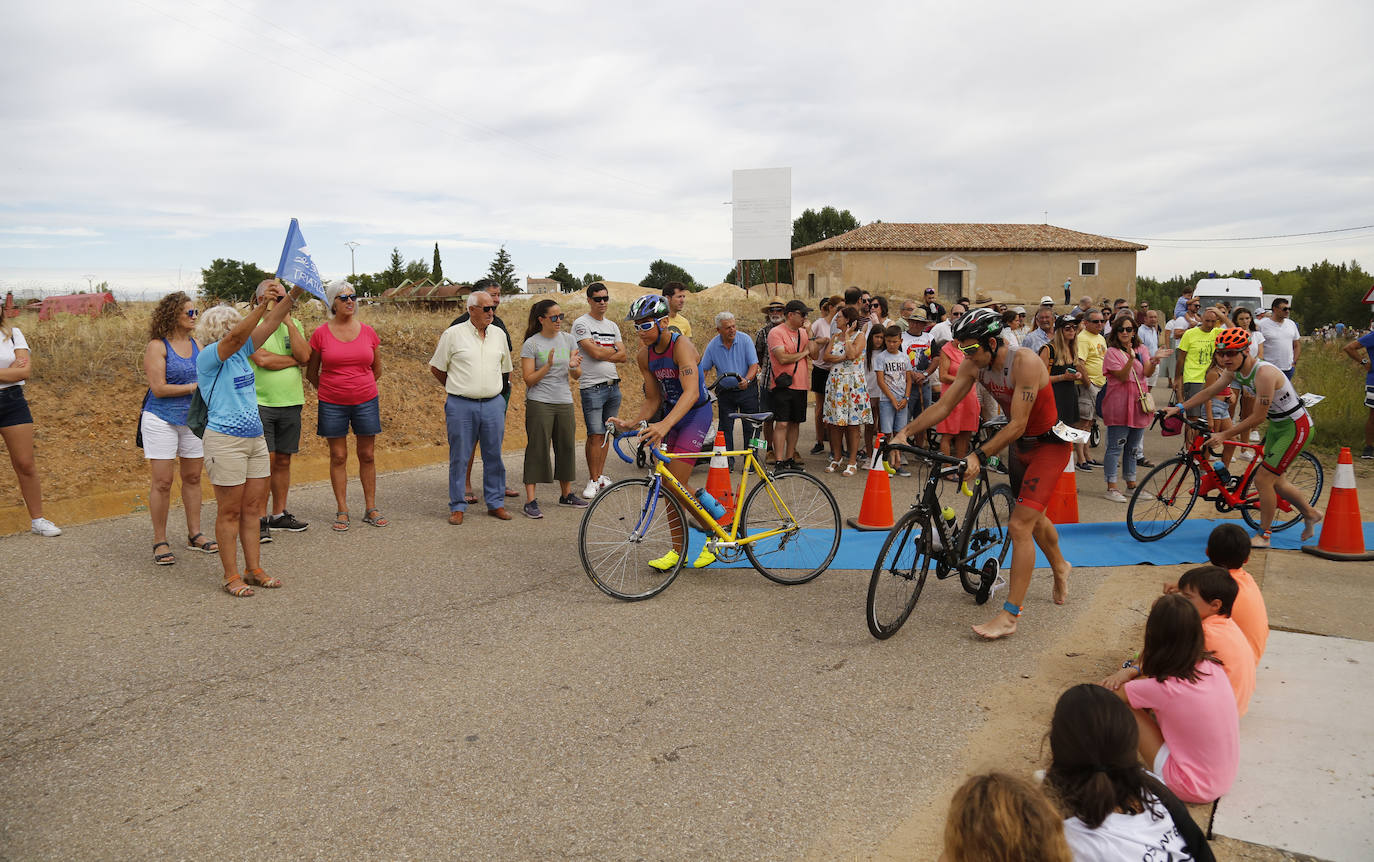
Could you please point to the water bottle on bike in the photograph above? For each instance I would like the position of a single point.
(710, 504)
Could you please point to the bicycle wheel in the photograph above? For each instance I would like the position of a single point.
(1163, 499)
(800, 504)
(986, 537)
(622, 530)
(1305, 473)
(1095, 435)
(899, 574)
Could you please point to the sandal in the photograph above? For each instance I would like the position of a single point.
(374, 517)
(237, 588)
(259, 578)
(340, 524)
(209, 546)
(470, 498)
(833, 465)
(851, 470)
(166, 558)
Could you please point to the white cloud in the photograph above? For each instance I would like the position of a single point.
(183, 132)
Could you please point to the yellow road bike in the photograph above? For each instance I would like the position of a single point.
(787, 524)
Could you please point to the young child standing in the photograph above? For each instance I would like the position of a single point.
(892, 371)
(1229, 547)
(1212, 591)
(1183, 704)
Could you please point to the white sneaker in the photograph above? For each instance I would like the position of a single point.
(1115, 496)
(603, 483)
(590, 491)
(44, 527)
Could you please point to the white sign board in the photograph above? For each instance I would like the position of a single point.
(763, 214)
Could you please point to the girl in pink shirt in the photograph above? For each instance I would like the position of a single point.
(1184, 706)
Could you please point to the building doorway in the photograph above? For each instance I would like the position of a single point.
(951, 286)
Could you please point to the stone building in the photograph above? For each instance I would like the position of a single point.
(1007, 262)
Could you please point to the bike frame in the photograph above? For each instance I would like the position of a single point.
(1198, 452)
(929, 506)
(663, 479)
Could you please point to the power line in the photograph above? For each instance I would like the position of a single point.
(1246, 238)
(1267, 245)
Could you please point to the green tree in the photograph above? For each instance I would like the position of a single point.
(438, 268)
(367, 285)
(503, 271)
(396, 273)
(661, 272)
(227, 280)
(567, 282)
(417, 270)
(591, 277)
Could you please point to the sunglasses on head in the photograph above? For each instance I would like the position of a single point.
(646, 325)
(192, 312)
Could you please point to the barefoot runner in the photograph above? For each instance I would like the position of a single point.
(1289, 428)
(1020, 383)
(670, 359)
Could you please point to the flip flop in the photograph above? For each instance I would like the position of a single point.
(470, 498)
(509, 493)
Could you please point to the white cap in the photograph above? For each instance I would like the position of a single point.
(1045, 300)
(1020, 309)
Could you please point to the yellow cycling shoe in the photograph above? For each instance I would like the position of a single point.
(704, 559)
(665, 562)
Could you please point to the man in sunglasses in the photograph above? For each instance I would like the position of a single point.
(1286, 434)
(602, 348)
(493, 289)
(1020, 383)
(277, 368)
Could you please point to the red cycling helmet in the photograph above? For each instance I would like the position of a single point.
(1234, 338)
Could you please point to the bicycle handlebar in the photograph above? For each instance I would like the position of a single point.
(927, 454)
(615, 443)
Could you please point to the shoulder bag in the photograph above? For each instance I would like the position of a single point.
(198, 415)
(1147, 398)
(784, 380)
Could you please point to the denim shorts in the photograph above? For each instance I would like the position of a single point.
(334, 419)
(14, 408)
(598, 402)
(890, 419)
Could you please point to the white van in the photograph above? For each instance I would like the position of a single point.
(1239, 292)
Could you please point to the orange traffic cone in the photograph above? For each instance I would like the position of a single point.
(1063, 507)
(718, 479)
(1342, 536)
(876, 511)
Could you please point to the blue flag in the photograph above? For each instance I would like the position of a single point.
(296, 266)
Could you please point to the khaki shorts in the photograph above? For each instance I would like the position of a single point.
(232, 460)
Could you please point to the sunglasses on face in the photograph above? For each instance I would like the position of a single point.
(192, 313)
(970, 350)
(601, 298)
(1225, 353)
(489, 309)
(1125, 329)
(646, 325)
(346, 297)
(554, 317)
(1097, 321)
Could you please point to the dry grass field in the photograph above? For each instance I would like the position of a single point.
(88, 385)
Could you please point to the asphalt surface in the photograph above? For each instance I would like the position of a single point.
(424, 691)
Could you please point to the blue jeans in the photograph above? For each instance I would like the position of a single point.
(469, 423)
(1111, 461)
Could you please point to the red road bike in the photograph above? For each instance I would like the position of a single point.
(1163, 499)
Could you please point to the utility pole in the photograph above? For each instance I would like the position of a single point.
(352, 264)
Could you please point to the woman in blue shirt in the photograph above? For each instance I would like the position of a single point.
(235, 450)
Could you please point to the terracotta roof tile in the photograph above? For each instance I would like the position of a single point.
(896, 236)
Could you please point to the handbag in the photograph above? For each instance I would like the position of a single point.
(198, 415)
(784, 380)
(138, 423)
(1147, 398)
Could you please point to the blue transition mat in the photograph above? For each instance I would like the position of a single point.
(1085, 545)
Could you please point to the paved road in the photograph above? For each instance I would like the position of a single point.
(432, 691)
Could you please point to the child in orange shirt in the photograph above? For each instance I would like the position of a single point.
(1229, 547)
(1212, 591)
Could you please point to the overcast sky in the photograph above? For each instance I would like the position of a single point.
(143, 138)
